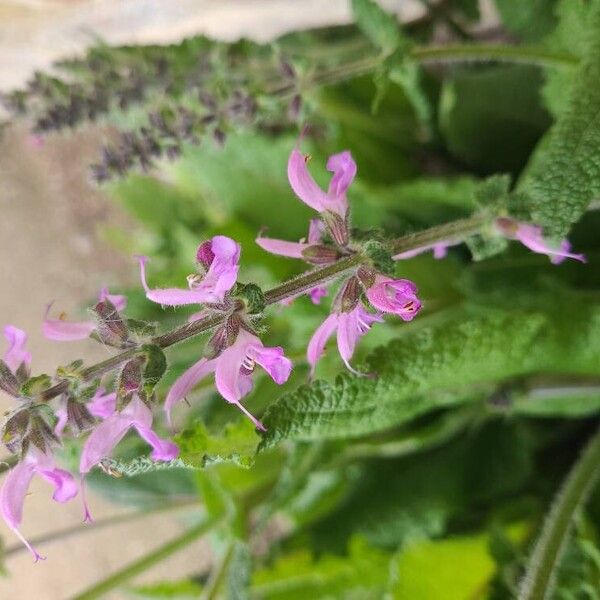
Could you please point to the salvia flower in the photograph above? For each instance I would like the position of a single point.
(333, 204)
(350, 326)
(62, 330)
(111, 431)
(233, 369)
(312, 250)
(532, 237)
(218, 261)
(396, 296)
(16, 484)
(440, 250)
(38, 457)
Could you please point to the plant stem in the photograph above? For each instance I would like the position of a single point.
(538, 582)
(145, 562)
(455, 231)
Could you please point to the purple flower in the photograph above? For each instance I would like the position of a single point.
(111, 431)
(218, 258)
(440, 250)
(233, 370)
(350, 327)
(302, 250)
(397, 296)
(16, 355)
(531, 237)
(306, 188)
(68, 331)
(16, 484)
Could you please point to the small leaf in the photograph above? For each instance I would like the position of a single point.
(236, 444)
(378, 25)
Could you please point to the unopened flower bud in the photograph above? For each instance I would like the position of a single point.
(338, 227)
(349, 295)
(320, 254)
(367, 276)
(79, 418)
(111, 329)
(223, 337)
(130, 380)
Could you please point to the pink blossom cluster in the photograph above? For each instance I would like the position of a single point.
(363, 297)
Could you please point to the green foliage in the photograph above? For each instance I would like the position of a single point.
(298, 575)
(565, 176)
(237, 443)
(442, 365)
(491, 118)
(379, 26)
(529, 20)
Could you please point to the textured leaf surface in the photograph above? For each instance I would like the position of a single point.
(566, 176)
(436, 366)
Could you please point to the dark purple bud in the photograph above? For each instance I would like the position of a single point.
(287, 69)
(15, 430)
(205, 255)
(337, 227)
(367, 276)
(130, 379)
(320, 255)
(79, 418)
(110, 327)
(8, 381)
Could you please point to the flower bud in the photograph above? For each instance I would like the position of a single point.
(79, 418)
(320, 254)
(367, 276)
(130, 380)
(349, 295)
(338, 227)
(110, 327)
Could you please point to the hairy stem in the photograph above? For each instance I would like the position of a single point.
(455, 231)
(538, 582)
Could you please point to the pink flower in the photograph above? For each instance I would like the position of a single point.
(233, 370)
(350, 327)
(16, 355)
(306, 188)
(69, 331)
(440, 250)
(218, 258)
(111, 431)
(531, 237)
(301, 250)
(397, 296)
(16, 484)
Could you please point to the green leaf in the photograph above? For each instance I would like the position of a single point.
(570, 401)
(448, 364)
(237, 444)
(462, 566)
(529, 20)
(379, 26)
(363, 574)
(566, 177)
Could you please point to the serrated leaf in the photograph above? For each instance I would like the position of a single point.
(237, 444)
(379, 26)
(565, 178)
(438, 366)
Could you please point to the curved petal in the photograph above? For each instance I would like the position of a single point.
(351, 327)
(256, 422)
(161, 449)
(13, 492)
(102, 405)
(282, 247)
(102, 441)
(343, 167)
(317, 293)
(16, 353)
(186, 382)
(303, 184)
(169, 296)
(223, 271)
(62, 416)
(229, 364)
(65, 486)
(316, 231)
(117, 300)
(531, 237)
(66, 331)
(273, 361)
(317, 343)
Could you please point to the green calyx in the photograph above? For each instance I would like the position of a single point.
(252, 296)
(380, 256)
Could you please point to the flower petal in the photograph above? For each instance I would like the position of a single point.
(317, 293)
(66, 331)
(16, 353)
(316, 231)
(161, 449)
(170, 296)
(317, 343)
(223, 271)
(102, 405)
(303, 184)
(282, 247)
(531, 237)
(102, 441)
(186, 382)
(65, 486)
(117, 300)
(228, 367)
(343, 167)
(13, 492)
(273, 361)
